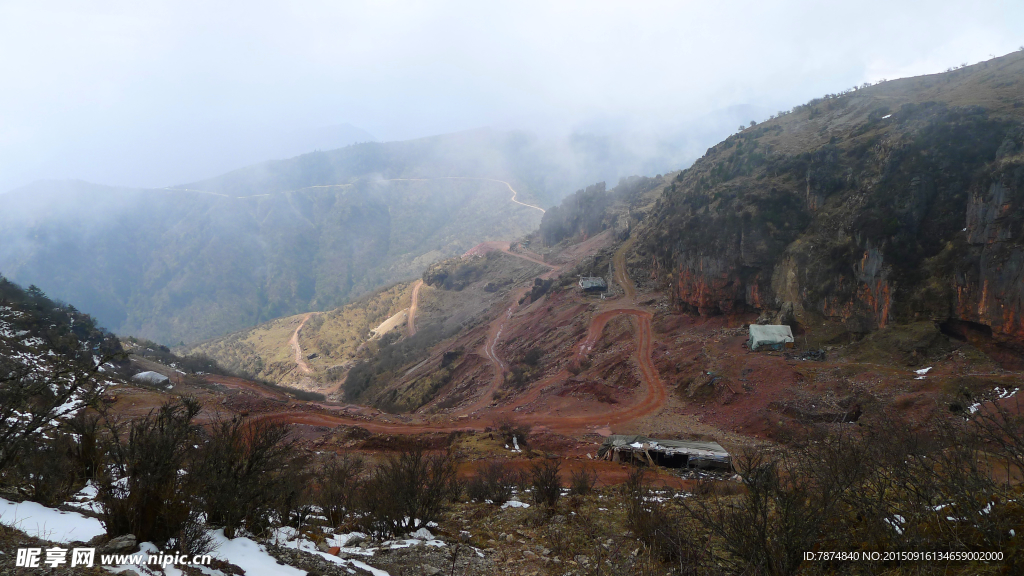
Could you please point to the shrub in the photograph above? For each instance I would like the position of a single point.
(44, 472)
(338, 481)
(493, 482)
(653, 524)
(87, 450)
(513, 432)
(32, 406)
(141, 490)
(407, 491)
(245, 470)
(547, 487)
(533, 356)
(582, 482)
(517, 378)
(771, 526)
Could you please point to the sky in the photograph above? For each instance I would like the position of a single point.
(158, 93)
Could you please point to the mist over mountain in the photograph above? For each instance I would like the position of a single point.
(277, 238)
(138, 159)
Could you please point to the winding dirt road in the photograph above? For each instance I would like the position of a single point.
(511, 189)
(655, 393)
(620, 273)
(413, 307)
(475, 417)
(494, 331)
(294, 342)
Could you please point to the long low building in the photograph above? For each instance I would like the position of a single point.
(669, 453)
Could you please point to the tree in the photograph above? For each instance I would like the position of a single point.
(35, 401)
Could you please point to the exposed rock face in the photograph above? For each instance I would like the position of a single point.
(989, 286)
(872, 208)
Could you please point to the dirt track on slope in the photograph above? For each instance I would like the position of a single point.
(511, 189)
(479, 414)
(620, 273)
(411, 326)
(655, 394)
(294, 342)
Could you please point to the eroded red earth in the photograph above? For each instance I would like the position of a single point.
(625, 364)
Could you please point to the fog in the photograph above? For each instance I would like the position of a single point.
(161, 93)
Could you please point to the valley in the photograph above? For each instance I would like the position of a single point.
(446, 366)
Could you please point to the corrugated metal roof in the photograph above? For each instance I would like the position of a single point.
(710, 450)
(593, 283)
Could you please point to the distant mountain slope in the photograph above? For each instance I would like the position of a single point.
(276, 239)
(897, 202)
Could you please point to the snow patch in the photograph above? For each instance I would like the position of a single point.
(250, 556)
(47, 523)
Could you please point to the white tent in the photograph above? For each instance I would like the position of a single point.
(151, 378)
(770, 337)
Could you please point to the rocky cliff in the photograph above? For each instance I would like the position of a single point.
(891, 203)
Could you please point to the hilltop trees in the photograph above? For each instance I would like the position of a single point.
(50, 359)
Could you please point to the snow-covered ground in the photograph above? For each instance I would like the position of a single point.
(49, 523)
(63, 527)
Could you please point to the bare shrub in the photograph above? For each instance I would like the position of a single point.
(493, 482)
(32, 404)
(338, 481)
(546, 485)
(88, 451)
(245, 471)
(766, 530)
(582, 481)
(653, 524)
(407, 491)
(141, 490)
(44, 474)
(193, 538)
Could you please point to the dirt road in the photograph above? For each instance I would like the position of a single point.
(411, 325)
(655, 393)
(477, 415)
(493, 335)
(621, 275)
(300, 361)
(496, 328)
(511, 189)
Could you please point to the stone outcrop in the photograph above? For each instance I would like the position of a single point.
(871, 208)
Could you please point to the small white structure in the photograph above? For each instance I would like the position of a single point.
(151, 378)
(772, 337)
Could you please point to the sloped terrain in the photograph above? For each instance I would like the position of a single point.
(176, 265)
(890, 204)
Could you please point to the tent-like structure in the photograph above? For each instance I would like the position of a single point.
(770, 337)
(151, 378)
(671, 453)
